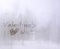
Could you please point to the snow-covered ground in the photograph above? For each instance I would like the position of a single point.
(36, 23)
(28, 45)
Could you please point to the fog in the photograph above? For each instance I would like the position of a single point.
(33, 24)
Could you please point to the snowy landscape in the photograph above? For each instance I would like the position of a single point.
(29, 24)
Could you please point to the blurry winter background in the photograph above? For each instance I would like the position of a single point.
(42, 20)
